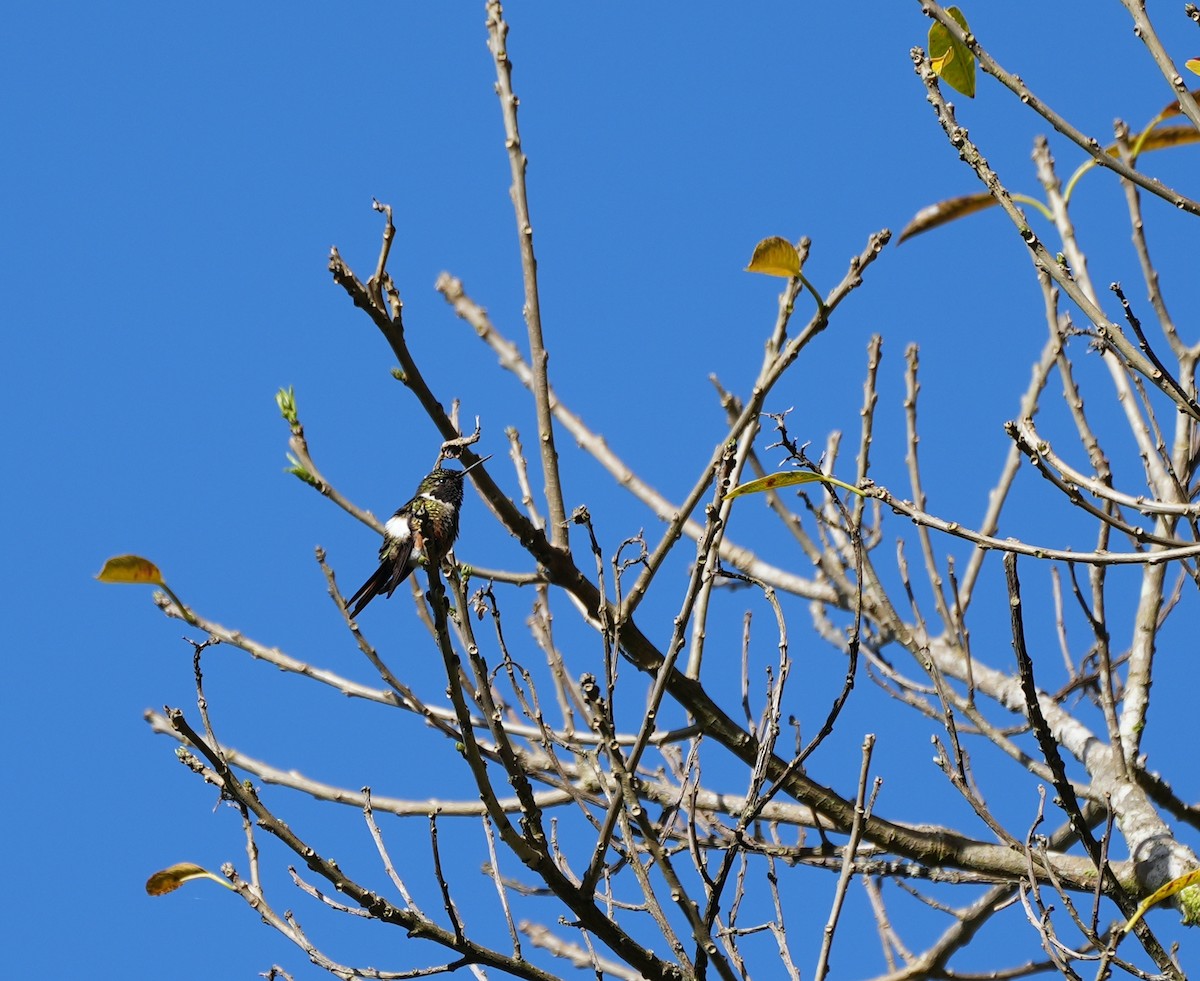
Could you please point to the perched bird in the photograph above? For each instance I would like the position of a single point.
(420, 533)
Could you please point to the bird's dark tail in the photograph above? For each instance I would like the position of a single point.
(383, 580)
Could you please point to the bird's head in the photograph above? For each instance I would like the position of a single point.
(447, 485)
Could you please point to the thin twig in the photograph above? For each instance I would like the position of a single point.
(843, 883)
(498, 45)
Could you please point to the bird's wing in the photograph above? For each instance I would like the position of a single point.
(393, 569)
(368, 590)
(394, 556)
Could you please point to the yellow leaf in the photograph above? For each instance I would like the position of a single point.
(130, 568)
(1156, 897)
(1192, 65)
(135, 569)
(775, 256)
(788, 478)
(940, 62)
(950, 58)
(168, 880)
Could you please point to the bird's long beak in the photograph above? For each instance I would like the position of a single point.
(482, 459)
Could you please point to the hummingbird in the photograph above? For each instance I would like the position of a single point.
(419, 533)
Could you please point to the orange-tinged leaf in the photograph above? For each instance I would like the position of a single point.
(950, 58)
(130, 568)
(1164, 137)
(1154, 137)
(941, 212)
(1168, 136)
(1156, 897)
(775, 256)
(788, 478)
(1174, 108)
(951, 209)
(1192, 65)
(168, 880)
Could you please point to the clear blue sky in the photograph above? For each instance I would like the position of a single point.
(174, 178)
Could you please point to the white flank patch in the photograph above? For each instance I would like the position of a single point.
(397, 527)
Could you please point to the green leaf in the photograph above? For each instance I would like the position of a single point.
(297, 469)
(789, 478)
(950, 58)
(285, 398)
